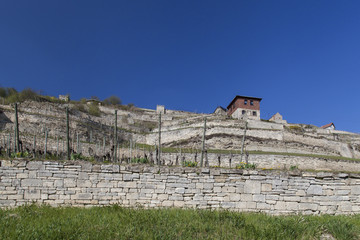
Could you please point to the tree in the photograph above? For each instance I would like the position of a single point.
(112, 100)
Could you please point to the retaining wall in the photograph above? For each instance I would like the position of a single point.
(86, 184)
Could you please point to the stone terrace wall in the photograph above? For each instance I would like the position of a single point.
(268, 161)
(85, 184)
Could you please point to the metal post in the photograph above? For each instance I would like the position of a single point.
(67, 134)
(203, 144)
(115, 137)
(243, 142)
(159, 152)
(17, 149)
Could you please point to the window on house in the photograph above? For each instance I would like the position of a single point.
(254, 113)
(245, 101)
(251, 102)
(243, 112)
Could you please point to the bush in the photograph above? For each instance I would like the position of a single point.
(190, 164)
(243, 165)
(94, 110)
(112, 100)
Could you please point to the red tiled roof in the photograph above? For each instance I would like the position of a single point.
(327, 125)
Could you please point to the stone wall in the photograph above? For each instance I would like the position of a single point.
(85, 184)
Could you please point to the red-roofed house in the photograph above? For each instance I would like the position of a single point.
(329, 126)
(242, 107)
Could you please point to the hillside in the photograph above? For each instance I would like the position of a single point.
(179, 130)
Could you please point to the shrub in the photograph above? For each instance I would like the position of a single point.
(293, 168)
(243, 165)
(190, 164)
(112, 100)
(94, 110)
(140, 160)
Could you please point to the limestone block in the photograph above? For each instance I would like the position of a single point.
(314, 190)
(69, 182)
(258, 198)
(246, 197)
(176, 197)
(22, 175)
(355, 190)
(32, 194)
(35, 165)
(265, 187)
(234, 197)
(179, 203)
(228, 205)
(84, 183)
(291, 199)
(252, 186)
(132, 196)
(167, 203)
(180, 190)
(262, 206)
(31, 182)
(308, 206)
(228, 189)
(59, 183)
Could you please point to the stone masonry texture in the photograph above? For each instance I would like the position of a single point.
(85, 184)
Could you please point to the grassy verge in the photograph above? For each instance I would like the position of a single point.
(114, 222)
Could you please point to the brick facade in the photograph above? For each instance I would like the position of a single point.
(242, 106)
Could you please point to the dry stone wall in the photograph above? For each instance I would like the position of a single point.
(85, 184)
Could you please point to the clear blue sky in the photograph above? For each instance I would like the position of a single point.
(302, 57)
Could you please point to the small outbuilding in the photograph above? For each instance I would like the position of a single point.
(278, 118)
(220, 111)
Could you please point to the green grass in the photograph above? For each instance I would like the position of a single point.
(114, 222)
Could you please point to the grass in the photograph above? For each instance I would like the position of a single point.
(114, 222)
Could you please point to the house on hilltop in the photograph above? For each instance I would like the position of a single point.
(330, 126)
(242, 107)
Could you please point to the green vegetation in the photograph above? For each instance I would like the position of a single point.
(293, 168)
(112, 100)
(114, 222)
(140, 160)
(190, 164)
(94, 109)
(244, 165)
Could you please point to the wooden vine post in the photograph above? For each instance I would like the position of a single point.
(203, 144)
(115, 137)
(67, 134)
(159, 151)
(17, 146)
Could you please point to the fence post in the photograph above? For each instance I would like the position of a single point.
(243, 142)
(203, 144)
(8, 146)
(34, 146)
(77, 143)
(115, 137)
(57, 146)
(17, 149)
(46, 136)
(67, 134)
(159, 151)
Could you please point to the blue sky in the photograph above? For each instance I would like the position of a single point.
(302, 57)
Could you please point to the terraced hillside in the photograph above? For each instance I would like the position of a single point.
(179, 130)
